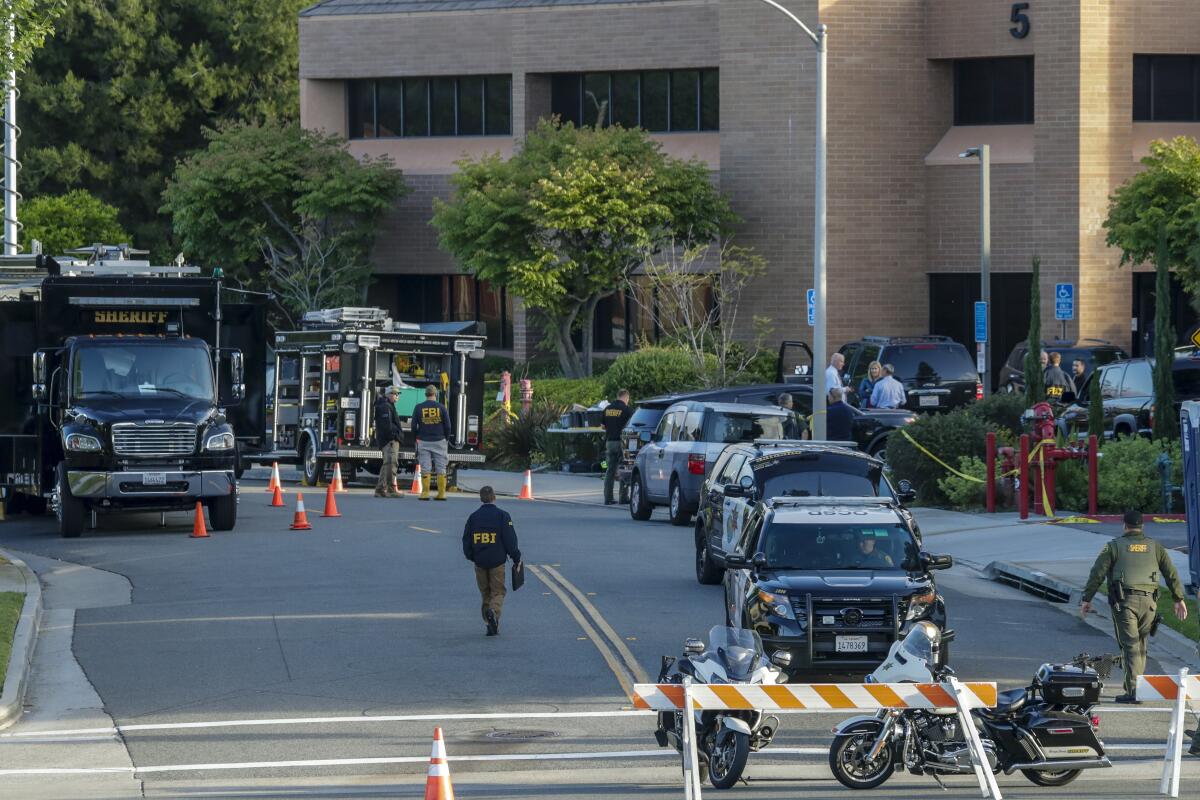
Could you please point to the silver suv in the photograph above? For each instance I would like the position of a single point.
(691, 435)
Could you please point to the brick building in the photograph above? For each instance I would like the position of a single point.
(1068, 94)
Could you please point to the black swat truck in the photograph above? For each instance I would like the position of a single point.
(327, 376)
(124, 383)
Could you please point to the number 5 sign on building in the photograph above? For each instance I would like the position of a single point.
(1019, 19)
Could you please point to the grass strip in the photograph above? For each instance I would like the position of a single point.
(1189, 627)
(10, 612)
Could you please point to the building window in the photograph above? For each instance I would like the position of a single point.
(473, 105)
(1166, 88)
(993, 91)
(682, 100)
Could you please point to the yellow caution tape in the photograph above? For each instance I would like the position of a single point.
(1046, 507)
(1073, 521)
(1165, 519)
(949, 468)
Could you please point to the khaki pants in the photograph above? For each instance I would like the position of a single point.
(387, 471)
(1132, 620)
(491, 589)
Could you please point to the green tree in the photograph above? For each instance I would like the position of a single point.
(1165, 196)
(1166, 424)
(33, 21)
(285, 209)
(1035, 385)
(125, 88)
(565, 221)
(75, 219)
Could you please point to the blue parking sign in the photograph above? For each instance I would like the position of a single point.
(1064, 301)
(812, 307)
(980, 321)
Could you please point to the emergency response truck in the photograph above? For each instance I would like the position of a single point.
(328, 375)
(124, 386)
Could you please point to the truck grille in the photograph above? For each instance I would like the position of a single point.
(178, 439)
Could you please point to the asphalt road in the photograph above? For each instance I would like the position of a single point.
(373, 618)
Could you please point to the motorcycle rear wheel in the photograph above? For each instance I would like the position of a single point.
(1043, 777)
(727, 759)
(847, 758)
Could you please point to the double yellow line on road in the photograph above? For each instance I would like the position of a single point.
(611, 646)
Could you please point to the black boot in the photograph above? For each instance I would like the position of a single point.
(493, 624)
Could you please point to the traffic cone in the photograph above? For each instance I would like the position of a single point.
(277, 498)
(527, 489)
(300, 521)
(416, 484)
(330, 504)
(437, 782)
(198, 529)
(337, 478)
(274, 483)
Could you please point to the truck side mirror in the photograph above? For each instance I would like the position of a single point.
(237, 373)
(40, 392)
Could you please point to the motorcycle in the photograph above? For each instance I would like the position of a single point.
(724, 739)
(1047, 731)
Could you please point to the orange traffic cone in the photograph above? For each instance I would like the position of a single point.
(300, 521)
(277, 498)
(416, 484)
(198, 529)
(437, 782)
(274, 483)
(337, 478)
(527, 489)
(330, 504)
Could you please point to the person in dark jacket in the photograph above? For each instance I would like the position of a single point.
(616, 417)
(794, 426)
(867, 385)
(839, 418)
(1058, 383)
(387, 437)
(431, 424)
(489, 540)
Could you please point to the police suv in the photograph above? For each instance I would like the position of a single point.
(831, 580)
(746, 473)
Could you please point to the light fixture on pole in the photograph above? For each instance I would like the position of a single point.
(820, 40)
(984, 153)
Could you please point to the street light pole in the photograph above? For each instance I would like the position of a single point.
(820, 40)
(984, 153)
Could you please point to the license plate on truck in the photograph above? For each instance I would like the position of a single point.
(154, 478)
(929, 400)
(850, 644)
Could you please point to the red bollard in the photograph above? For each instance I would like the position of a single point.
(1023, 478)
(1093, 474)
(991, 472)
(526, 396)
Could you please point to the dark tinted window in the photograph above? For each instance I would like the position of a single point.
(733, 428)
(691, 426)
(929, 362)
(1110, 382)
(645, 418)
(565, 93)
(820, 475)
(1187, 382)
(680, 100)
(730, 469)
(416, 107)
(362, 109)
(596, 99)
(498, 105)
(470, 106)
(710, 100)
(830, 547)
(1139, 380)
(625, 99)
(467, 106)
(1165, 88)
(655, 97)
(441, 105)
(993, 91)
(391, 106)
(685, 100)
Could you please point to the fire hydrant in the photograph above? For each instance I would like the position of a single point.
(1035, 463)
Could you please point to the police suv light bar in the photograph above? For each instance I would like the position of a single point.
(800, 443)
(832, 501)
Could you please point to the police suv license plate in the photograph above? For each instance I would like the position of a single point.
(929, 400)
(850, 644)
(154, 478)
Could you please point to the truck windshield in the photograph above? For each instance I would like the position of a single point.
(142, 370)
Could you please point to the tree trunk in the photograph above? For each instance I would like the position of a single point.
(1166, 423)
(588, 323)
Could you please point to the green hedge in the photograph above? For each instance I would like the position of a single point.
(1128, 476)
(652, 371)
(950, 437)
(1000, 410)
(563, 392)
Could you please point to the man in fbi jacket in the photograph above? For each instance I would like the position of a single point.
(489, 540)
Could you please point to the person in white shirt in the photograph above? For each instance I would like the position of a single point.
(888, 392)
(833, 373)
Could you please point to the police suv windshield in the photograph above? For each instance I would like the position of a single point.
(158, 369)
(813, 546)
(820, 474)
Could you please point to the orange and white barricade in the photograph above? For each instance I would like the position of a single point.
(1167, 687)
(962, 697)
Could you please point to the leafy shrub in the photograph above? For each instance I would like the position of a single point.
(564, 392)
(761, 369)
(512, 446)
(964, 493)
(652, 371)
(948, 436)
(1071, 485)
(1128, 475)
(1000, 410)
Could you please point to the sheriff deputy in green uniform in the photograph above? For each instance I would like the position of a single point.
(1133, 565)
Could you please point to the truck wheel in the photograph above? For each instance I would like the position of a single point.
(239, 466)
(678, 512)
(309, 463)
(639, 509)
(72, 513)
(222, 512)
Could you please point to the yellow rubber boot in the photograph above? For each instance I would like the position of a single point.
(425, 481)
(441, 495)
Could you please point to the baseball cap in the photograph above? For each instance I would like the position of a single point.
(393, 391)
(1133, 518)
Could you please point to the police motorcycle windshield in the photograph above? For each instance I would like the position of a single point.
(921, 642)
(738, 650)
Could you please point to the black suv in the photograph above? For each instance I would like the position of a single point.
(1127, 391)
(833, 581)
(747, 473)
(1093, 352)
(937, 372)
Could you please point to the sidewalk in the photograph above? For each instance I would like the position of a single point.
(564, 487)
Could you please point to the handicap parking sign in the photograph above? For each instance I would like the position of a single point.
(1064, 301)
(812, 307)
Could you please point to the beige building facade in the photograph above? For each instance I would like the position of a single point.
(1067, 94)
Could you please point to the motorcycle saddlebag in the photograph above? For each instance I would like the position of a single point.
(1065, 684)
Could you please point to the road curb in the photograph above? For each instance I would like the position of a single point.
(20, 662)
(1066, 596)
